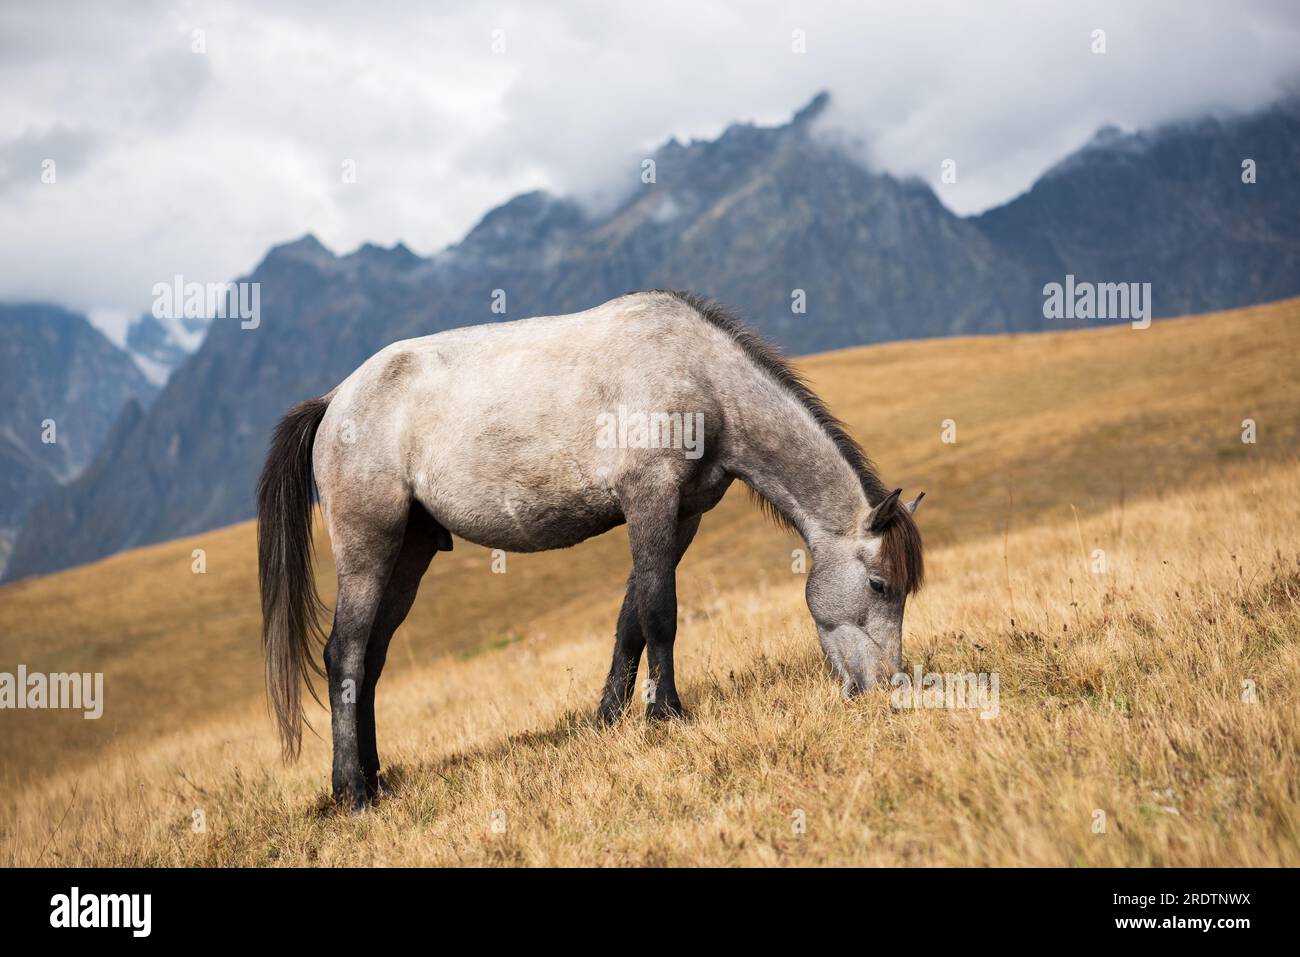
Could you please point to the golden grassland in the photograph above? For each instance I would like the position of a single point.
(1124, 692)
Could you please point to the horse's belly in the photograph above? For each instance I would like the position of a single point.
(558, 531)
(525, 522)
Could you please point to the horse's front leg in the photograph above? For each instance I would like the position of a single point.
(628, 645)
(629, 640)
(653, 530)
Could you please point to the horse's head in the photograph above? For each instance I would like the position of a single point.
(857, 589)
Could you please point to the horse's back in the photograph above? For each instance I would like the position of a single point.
(495, 428)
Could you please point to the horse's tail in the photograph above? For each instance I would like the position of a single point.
(290, 605)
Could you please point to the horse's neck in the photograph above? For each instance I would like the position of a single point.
(784, 455)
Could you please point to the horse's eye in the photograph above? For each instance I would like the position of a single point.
(877, 586)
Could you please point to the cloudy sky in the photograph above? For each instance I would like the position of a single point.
(169, 160)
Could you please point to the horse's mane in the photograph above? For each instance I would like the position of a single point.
(901, 539)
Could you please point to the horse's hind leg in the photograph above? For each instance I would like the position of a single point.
(422, 539)
(629, 640)
(367, 538)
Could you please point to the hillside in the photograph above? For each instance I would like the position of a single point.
(1120, 692)
(749, 218)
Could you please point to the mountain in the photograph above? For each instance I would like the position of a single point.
(159, 346)
(761, 212)
(1169, 207)
(751, 218)
(62, 386)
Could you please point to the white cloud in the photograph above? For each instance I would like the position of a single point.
(175, 162)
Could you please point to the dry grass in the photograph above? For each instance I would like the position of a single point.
(1119, 692)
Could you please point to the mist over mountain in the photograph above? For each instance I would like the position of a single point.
(767, 219)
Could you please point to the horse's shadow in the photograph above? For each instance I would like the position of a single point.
(404, 778)
(401, 778)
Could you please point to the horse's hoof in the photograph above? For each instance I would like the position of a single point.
(608, 714)
(351, 795)
(665, 711)
(351, 803)
(378, 790)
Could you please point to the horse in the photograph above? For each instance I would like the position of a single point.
(538, 434)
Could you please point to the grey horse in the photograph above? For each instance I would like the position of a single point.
(539, 434)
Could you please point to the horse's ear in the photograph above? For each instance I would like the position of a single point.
(911, 506)
(883, 513)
